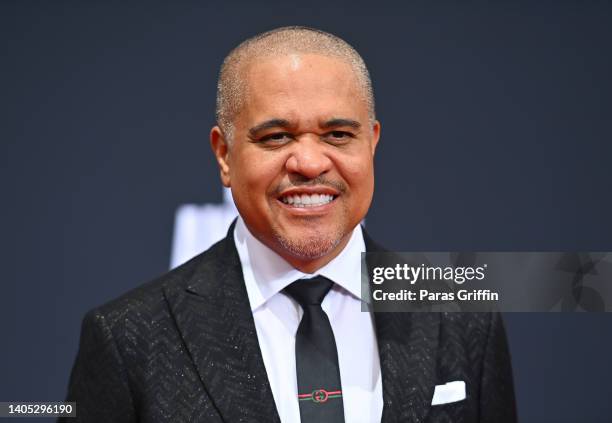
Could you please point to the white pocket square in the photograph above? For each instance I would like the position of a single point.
(449, 392)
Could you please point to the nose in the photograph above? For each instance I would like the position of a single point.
(308, 157)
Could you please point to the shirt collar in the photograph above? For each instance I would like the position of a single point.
(266, 273)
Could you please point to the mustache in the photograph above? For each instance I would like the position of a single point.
(318, 181)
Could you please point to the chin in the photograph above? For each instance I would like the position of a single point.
(312, 246)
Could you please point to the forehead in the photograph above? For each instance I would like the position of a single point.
(305, 86)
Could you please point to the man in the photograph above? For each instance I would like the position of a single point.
(266, 325)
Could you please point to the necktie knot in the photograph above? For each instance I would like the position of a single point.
(309, 291)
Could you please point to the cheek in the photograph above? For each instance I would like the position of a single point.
(359, 172)
(254, 174)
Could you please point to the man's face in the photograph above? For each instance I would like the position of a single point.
(300, 164)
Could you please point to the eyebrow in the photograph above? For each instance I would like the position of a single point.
(268, 124)
(283, 123)
(337, 122)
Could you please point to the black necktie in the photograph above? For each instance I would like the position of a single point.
(316, 357)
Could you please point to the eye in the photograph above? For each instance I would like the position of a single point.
(338, 136)
(276, 138)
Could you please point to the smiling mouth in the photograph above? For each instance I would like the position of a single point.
(307, 200)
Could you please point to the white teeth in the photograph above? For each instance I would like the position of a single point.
(306, 200)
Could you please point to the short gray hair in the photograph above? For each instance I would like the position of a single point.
(282, 41)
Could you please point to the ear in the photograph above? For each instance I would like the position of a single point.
(375, 135)
(220, 148)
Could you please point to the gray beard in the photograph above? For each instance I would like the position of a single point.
(313, 247)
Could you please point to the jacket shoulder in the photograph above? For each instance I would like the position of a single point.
(148, 300)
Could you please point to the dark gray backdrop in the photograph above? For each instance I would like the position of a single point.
(496, 135)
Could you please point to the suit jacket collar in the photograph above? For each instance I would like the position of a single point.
(212, 312)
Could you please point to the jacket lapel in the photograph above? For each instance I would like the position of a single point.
(407, 345)
(214, 317)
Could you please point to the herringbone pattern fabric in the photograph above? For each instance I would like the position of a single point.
(184, 348)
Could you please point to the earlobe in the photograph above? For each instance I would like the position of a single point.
(220, 148)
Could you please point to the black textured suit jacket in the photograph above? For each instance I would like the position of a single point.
(184, 348)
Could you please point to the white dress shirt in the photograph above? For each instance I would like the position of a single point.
(277, 317)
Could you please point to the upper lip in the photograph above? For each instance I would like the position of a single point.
(309, 191)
